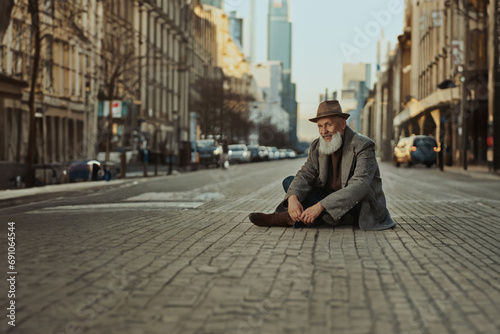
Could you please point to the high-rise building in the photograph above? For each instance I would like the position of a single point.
(356, 72)
(236, 29)
(279, 47)
(216, 3)
(356, 82)
(279, 30)
(249, 38)
(267, 109)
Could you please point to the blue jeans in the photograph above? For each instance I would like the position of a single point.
(313, 197)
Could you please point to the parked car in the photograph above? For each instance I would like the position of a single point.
(85, 170)
(239, 153)
(416, 150)
(290, 154)
(208, 152)
(254, 152)
(263, 153)
(273, 152)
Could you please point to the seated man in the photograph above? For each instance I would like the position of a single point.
(339, 183)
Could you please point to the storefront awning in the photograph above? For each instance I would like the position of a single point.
(433, 101)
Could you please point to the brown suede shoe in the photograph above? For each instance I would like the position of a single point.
(277, 219)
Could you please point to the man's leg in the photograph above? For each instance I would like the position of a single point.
(314, 196)
(281, 218)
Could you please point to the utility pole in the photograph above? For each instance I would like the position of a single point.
(34, 11)
(463, 69)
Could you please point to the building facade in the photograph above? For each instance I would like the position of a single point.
(65, 90)
(436, 82)
(270, 119)
(448, 80)
(356, 82)
(216, 3)
(232, 91)
(162, 93)
(236, 30)
(114, 75)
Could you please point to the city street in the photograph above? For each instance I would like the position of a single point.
(178, 254)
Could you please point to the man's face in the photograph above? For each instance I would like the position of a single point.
(328, 126)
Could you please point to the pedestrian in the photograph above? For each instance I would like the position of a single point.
(338, 184)
(224, 162)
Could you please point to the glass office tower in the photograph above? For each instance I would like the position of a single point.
(279, 47)
(215, 3)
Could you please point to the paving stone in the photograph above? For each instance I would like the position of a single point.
(209, 270)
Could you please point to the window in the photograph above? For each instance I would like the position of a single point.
(65, 67)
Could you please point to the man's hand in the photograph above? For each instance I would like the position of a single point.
(311, 213)
(295, 209)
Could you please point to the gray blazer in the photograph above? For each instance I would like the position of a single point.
(360, 177)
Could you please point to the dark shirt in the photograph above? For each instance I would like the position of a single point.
(335, 171)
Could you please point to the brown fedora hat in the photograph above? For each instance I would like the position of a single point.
(329, 109)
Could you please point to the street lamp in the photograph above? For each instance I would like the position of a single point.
(446, 84)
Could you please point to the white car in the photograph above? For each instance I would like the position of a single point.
(239, 153)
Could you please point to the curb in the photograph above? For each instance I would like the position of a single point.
(15, 197)
(11, 198)
(474, 174)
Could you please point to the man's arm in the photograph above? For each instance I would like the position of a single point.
(295, 209)
(311, 213)
(306, 177)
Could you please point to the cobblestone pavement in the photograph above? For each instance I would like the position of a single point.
(141, 260)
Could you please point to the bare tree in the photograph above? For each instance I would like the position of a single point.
(119, 74)
(208, 104)
(222, 111)
(235, 110)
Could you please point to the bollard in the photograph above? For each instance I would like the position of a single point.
(123, 165)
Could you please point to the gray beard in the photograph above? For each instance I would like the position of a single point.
(332, 146)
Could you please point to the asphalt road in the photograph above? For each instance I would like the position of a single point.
(177, 254)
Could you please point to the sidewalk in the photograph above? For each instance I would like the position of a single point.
(477, 172)
(134, 173)
(56, 188)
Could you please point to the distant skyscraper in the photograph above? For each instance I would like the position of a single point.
(356, 81)
(279, 47)
(383, 49)
(249, 38)
(356, 72)
(236, 29)
(215, 3)
(279, 30)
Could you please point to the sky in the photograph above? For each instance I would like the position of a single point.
(326, 34)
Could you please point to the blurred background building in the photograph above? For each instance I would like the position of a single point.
(356, 83)
(435, 82)
(216, 3)
(94, 79)
(279, 47)
(61, 106)
(272, 122)
(118, 76)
